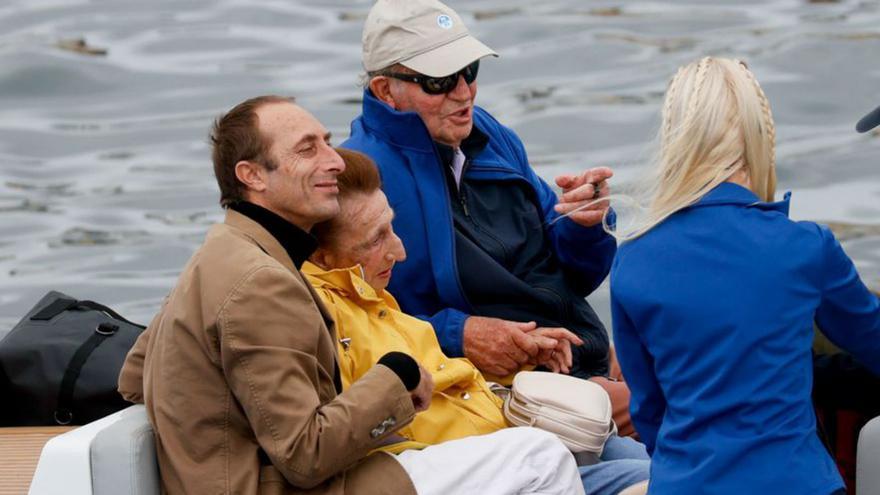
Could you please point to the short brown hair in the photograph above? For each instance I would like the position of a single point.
(236, 136)
(361, 176)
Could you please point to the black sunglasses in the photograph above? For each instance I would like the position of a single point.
(439, 85)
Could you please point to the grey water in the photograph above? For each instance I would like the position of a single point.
(106, 186)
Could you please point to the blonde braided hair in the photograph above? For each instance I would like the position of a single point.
(766, 187)
(716, 123)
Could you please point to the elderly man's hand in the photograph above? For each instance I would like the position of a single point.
(500, 347)
(558, 359)
(578, 190)
(421, 395)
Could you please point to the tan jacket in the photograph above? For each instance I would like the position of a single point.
(241, 358)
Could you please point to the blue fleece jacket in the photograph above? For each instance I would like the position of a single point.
(713, 315)
(427, 283)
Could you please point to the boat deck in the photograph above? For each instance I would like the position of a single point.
(20, 450)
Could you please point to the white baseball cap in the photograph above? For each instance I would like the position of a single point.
(424, 35)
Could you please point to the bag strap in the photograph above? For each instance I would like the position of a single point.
(54, 308)
(63, 304)
(104, 309)
(64, 411)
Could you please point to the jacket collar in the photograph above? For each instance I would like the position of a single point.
(346, 281)
(473, 144)
(257, 233)
(298, 243)
(403, 129)
(728, 193)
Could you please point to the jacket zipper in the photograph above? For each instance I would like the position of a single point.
(470, 307)
(463, 201)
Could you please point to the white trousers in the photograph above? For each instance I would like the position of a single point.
(512, 461)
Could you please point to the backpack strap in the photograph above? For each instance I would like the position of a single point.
(64, 411)
(63, 304)
(54, 308)
(104, 309)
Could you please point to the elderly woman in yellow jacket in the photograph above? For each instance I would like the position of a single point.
(370, 324)
(350, 270)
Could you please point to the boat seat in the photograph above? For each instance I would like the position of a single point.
(868, 459)
(114, 455)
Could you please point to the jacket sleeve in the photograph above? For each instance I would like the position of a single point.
(270, 331)
(849, 313)
(647, 402)
(585, 253)
(449, 326)
(131, 377)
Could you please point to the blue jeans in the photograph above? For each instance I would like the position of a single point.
(624, 462)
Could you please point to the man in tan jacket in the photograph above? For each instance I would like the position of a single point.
(238, 370)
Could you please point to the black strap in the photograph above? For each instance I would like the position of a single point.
(54, 309)
(64, 411)
(63, 304)
(104, 309)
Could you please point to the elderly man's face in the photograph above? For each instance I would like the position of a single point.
(448, 117)
(302, 188)
(363, 236)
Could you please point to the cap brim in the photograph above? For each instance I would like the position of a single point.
(449, 58)
(869, 121)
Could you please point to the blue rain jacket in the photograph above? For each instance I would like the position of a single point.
(427, 284)
(713, 315)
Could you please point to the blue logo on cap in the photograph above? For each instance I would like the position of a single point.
(444, 21)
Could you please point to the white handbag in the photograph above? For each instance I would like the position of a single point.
(578, 411)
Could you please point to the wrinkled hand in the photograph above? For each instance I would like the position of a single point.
(578, 190)
(500, 347)
(559, 358)
(421, 395)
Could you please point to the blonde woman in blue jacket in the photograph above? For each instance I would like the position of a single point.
(714, 293)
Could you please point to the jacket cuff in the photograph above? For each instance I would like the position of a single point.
(405, 367)
(450, 332)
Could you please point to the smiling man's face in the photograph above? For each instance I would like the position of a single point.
(302, 188)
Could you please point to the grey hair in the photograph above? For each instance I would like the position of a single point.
(366, 77)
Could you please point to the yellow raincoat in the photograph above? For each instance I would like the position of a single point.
(369, 325)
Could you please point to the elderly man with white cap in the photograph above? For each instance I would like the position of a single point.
(493, 259)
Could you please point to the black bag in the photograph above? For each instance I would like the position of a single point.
(60, 364)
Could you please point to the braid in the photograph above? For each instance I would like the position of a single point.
(699, 79)
(768, 115)
(667, 107)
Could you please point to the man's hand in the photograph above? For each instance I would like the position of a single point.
(578, 190)
(558, 359)
(421, 395)
(500, 347)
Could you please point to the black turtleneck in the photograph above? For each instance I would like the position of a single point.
(298, 243)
